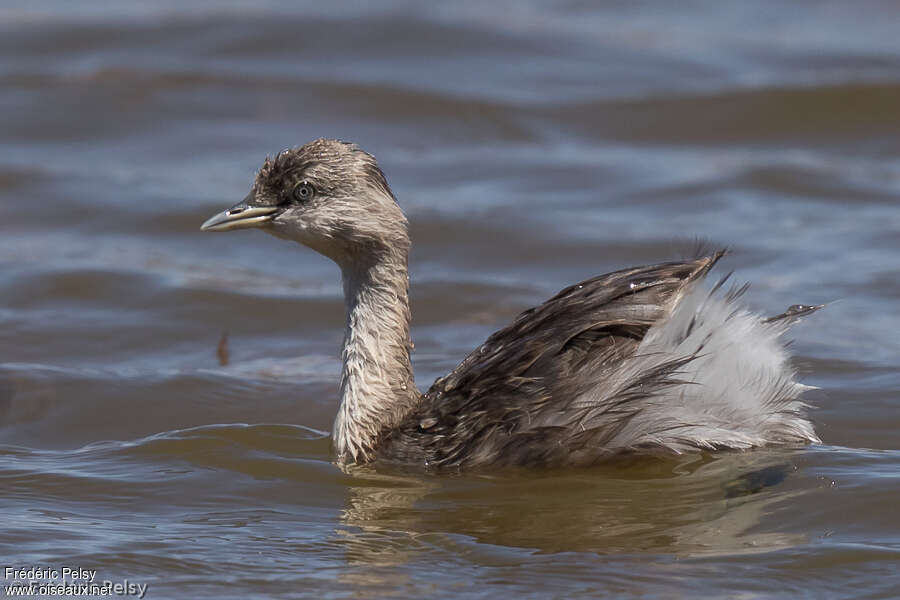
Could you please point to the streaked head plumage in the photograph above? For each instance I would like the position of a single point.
(329, 195)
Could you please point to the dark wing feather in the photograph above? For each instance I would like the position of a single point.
(519, 386)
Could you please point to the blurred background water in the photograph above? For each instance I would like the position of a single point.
(532, 144)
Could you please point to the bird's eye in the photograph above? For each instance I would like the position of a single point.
(304, 191)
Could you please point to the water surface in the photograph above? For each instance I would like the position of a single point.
(532, 145)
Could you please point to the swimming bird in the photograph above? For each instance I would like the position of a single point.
(643, 360)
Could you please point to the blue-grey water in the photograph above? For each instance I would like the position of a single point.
(532, 144)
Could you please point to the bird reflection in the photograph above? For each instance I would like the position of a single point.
(695, 505)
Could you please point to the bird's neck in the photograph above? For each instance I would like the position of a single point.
(377, 386)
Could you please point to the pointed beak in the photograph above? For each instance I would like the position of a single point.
(240, 216)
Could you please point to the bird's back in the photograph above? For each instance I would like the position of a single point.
(641, 359)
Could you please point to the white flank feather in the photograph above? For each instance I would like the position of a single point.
(738, 390)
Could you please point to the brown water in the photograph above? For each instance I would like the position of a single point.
(532, 145)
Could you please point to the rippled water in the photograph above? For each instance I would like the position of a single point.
(532, 145)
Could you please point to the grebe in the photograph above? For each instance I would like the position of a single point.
(639, 360)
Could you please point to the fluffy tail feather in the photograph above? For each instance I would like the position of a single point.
(736, 387)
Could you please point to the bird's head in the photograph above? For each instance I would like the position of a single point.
(328, 195)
